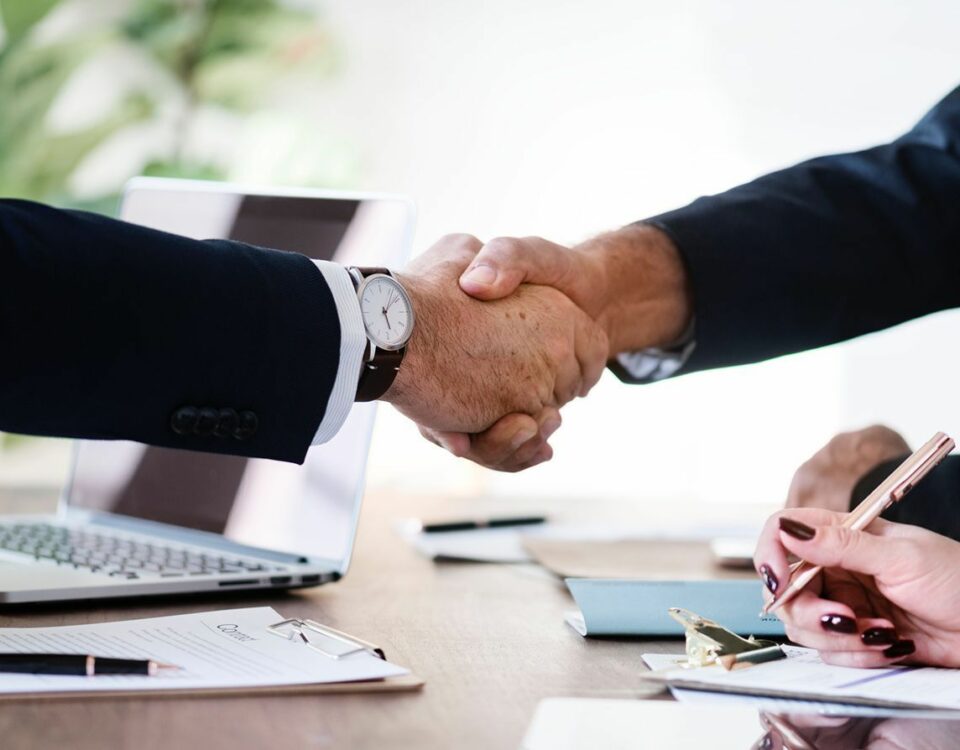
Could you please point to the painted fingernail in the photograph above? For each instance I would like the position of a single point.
(481, 275)
(766, 743)
(900, 648)
(878, 636)
(549, 427)
(769, 579)
(838, 624)
(523, 435)
(796, 529)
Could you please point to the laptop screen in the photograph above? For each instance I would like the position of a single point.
(309, 510)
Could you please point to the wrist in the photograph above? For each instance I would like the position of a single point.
(645, 287)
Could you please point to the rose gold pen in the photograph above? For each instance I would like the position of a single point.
(891, 490)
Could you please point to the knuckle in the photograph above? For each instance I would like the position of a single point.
(502, 248)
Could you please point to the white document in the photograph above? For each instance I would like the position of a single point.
(802, 675)
(505, 544)
(615, 724)
(227, 649)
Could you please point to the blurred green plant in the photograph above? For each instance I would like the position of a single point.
(158, 68)
(180, 59)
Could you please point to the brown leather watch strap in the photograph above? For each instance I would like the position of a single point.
(377, 376)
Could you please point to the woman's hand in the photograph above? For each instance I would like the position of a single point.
(888, 594)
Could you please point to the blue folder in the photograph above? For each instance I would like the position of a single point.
(620, 606)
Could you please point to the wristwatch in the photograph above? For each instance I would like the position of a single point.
(388, 319)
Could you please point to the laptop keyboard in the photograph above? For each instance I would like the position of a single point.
(116, 556)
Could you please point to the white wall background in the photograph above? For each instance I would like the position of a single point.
(566, 118)
(563, 119)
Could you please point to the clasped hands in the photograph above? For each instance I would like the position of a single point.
(509, 331)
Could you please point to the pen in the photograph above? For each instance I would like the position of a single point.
(480, 523)
(747, 658)
(890, 491)
(78, 664)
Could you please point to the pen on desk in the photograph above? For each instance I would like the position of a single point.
(79, 664)
(481, 523)
(890, 491)
(747, 658)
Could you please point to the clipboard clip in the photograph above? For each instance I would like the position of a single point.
(708, 642)
(323, 638)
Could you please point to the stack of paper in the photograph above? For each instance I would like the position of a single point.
(804, 676)
(225, 650)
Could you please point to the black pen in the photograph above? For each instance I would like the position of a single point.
(78, 664)
(481, 523)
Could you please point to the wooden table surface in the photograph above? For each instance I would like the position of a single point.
(489, 640)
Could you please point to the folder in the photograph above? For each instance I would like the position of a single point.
(632, 607)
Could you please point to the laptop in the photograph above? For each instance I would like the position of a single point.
(138, 520)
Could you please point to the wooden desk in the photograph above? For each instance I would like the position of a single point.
(489, 640)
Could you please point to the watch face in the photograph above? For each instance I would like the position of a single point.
(387, 312)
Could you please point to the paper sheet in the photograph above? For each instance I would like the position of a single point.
(509, 544)
(803, 675)
(226, 649)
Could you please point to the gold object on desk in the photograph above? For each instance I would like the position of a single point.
(708, 643)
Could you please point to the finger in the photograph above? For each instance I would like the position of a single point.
(548, 422)
(504, 263)
(513, 440)
(457, 443)
(568, 378)
(827, 620)
(542, 456)
(428, 435)
(457, 249)
(592, 350)
(860, 659)
(770, 556)
(833, 626)
(839, 547)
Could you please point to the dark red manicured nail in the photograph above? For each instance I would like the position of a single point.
(878, 636)
(900, 648)
(796, 529)
(839, 624)
(769, 578)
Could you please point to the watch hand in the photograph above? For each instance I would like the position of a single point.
(387, 318)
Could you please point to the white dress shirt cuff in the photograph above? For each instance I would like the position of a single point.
(651, 365)
(353, 341)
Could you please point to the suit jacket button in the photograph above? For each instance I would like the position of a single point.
(247, 427)
(228, 421)
(184, 419)
(206, 422)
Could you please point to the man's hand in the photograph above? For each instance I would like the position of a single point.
(469, 363)
(827, 479)
(632, 282)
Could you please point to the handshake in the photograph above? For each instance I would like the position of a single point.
(509, 331)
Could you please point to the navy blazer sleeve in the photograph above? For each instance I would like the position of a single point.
(108, 329)
(826, 250)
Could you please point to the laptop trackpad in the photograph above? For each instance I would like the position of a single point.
(25, 577)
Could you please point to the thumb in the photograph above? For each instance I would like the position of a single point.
(505, 263)
(840, 547)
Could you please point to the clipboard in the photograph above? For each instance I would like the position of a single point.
(333, 644)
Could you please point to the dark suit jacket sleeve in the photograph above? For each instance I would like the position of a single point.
(826, 250)
(107, 329)
(932, 504)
